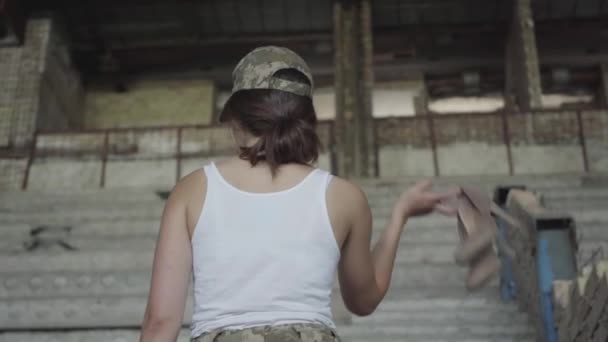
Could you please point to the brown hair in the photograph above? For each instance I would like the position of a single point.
(284, 122)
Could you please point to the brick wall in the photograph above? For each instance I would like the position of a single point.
(34, 89)
(23, 67)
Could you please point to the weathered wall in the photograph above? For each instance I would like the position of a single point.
(61, 91)
(595, 124)
(150, 102)
(133, 158)
(39, 87)
(396, 99)
(21, 69)
(389, 99)
(11, 173)
(475, 144)
(541, 143)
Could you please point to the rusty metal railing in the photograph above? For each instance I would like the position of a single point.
(508, 129)
(430, 132)
(139, 143)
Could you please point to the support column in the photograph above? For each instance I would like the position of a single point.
(522, 66)
(421, 99)
(354, 79)
(603, 91)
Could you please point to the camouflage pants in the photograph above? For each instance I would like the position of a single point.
(281, 333)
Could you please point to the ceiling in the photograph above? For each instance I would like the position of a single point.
(143, 36)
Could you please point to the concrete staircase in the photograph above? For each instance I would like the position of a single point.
(77, 266)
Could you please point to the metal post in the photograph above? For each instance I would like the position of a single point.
(178, 155)
(545, 283)
(581, 138)
(30, 162)
(104, 158)
(332, 148)
(431, 126)
(507, 140)
(376, 148)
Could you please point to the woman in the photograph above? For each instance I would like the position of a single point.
(263, 233)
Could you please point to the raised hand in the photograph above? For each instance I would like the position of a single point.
(420, 199)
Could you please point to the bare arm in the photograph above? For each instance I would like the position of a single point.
(365, 275)
(171, 270)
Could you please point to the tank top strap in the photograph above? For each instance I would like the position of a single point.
(324, 179)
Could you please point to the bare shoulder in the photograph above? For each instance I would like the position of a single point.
(347, 204)
(346, 192)
(189, 194)
(191, 185)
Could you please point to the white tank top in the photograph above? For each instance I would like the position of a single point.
(263, 258)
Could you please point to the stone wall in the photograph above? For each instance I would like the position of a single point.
(150, 102)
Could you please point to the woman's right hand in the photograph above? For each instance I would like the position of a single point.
(421, 200)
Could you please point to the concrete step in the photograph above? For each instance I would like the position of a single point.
(105, 282)
(41, 285)
(79, 243)
(99, 235)
(68, 216)
(440, 318)
(129, 253)
(122, 335)
(96, 335)
(78, 312)
(499, 332)
(127, 311)
(114, 282)
(93, 229)
(377, 190)
(18, 200)
(90, 312)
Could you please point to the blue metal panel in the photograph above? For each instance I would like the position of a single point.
(545, 283)
(561, 253)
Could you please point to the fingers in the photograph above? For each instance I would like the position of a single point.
(454, 191)
(445, 209)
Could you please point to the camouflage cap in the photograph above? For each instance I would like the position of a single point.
(257, 69)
